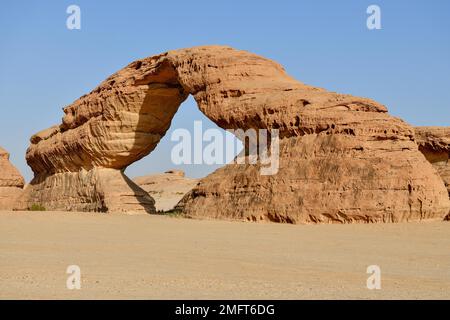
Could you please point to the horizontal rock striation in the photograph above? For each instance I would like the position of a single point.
(342, 158)
(11, 182)
(95, 190)
(328, 178)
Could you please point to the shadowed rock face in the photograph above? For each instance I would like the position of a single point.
(342, 158)
(434, 143)
(11, 182)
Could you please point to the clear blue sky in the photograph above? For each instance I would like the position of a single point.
(44, 66)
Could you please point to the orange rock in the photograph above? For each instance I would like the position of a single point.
(434, 143)
(11, 182)
(342, 158)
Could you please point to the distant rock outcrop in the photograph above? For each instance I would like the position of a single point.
(11, 182)
(167, 188)
(434, 143)
(342, 158)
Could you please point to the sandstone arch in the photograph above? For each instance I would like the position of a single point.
(343, 158)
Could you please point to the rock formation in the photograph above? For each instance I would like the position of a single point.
(11, 182)
(342, 158)
(434, 143)
(167, 188)
(96, 190)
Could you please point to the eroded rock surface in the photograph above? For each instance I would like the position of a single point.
(96, 190)
(167, 188)
(11, 182)
(434, 143)
(342, 158)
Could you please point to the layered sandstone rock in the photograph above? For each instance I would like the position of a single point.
(96, 190)
(167, 189)
(434, 143)
(328, 177)
(342, 158)
(11, 182)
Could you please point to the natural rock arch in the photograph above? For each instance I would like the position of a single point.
(343, 158)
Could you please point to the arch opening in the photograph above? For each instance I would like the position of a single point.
(165, 174)
(186, 118)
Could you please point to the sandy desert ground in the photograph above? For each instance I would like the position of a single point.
(160, 257)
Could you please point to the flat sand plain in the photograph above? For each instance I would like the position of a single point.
(160, 257)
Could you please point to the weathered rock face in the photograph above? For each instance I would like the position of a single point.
(434, 143)
(167, 189)
(96, 190)
(11, 182)
(342, 158)
(327, 178)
